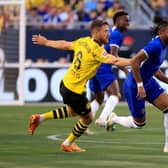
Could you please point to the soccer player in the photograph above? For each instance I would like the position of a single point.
(140, 84)
(88, 56)
(105, 79)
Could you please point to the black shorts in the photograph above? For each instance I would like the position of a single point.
(79, 103)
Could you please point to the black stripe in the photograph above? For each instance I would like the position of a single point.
(60, 113)
(82, 125)
(77, 125)
(76, 134)
(65, 111)
(55, 114)
(78, 131)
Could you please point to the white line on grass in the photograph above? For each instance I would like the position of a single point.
(57, 137)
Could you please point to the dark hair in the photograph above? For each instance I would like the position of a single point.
(160, 26)
(119, 14)
(97, 24)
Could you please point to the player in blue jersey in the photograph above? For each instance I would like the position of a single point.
(105, 79)
(140, 84)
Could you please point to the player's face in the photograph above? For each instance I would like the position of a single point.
(123, 22)
(164, 35)
(104, 34)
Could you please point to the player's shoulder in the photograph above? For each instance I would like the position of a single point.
(115, 32)
(116, 35)
(155, 43)
(86, 39)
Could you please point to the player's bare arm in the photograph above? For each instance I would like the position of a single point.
(118, 61)
(135, 64)
(58, 44)
(161, 76)
(114, 51)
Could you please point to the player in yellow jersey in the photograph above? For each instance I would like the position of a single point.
(88, 56)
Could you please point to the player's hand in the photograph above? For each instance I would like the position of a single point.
(38, 39)
(141, 94)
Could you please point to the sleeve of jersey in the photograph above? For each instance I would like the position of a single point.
(151, 49)
(101, 55)
(115, 39)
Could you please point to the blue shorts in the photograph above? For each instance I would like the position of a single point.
(101, 82)
(137, 107)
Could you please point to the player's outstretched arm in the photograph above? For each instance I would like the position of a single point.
(58, 44)
(119, 61)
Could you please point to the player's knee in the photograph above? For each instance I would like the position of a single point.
(99, 100)
(87, 119)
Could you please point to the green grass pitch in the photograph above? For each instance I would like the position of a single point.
(124, 148)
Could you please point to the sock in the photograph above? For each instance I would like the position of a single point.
(125, 121)
(94, 107)
(59, 113)
(78, 130)
(109, 107)
(166, 129)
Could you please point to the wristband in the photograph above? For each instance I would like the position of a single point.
(139, 84)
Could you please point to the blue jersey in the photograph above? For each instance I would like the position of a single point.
(156, 52)
(115, 39)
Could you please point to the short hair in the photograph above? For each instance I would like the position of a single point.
(119, 14)
(160, 26)
(97, 24)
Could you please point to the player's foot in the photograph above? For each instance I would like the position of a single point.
(110, 124)
(165, 149)
(100, 122)
(73, 148)
(33, 123)
(88, 132)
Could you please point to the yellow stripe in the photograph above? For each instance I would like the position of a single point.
(63, 113)
(57, 112)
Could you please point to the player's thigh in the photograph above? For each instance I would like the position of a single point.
(113, 88)
(94, 85)
(161, 102)
(136, 107)
(78, 103)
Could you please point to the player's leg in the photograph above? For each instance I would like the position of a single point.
(112, 101)
(59, 113)
(83, 108)
(111, 86)
(97, 94)
(137, 119)
(161, 102)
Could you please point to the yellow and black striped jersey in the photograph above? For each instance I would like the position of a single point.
(88, 56)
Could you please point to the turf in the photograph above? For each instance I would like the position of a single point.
(124, 148)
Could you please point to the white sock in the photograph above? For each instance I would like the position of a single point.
(166, 129)
(94, 107)
(125, 121)
(41, 118)
(109, 106)
(66, 142)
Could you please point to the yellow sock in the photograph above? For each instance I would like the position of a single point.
(59, 113)
(78, 130)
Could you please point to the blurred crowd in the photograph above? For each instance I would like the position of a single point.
(70, 14)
